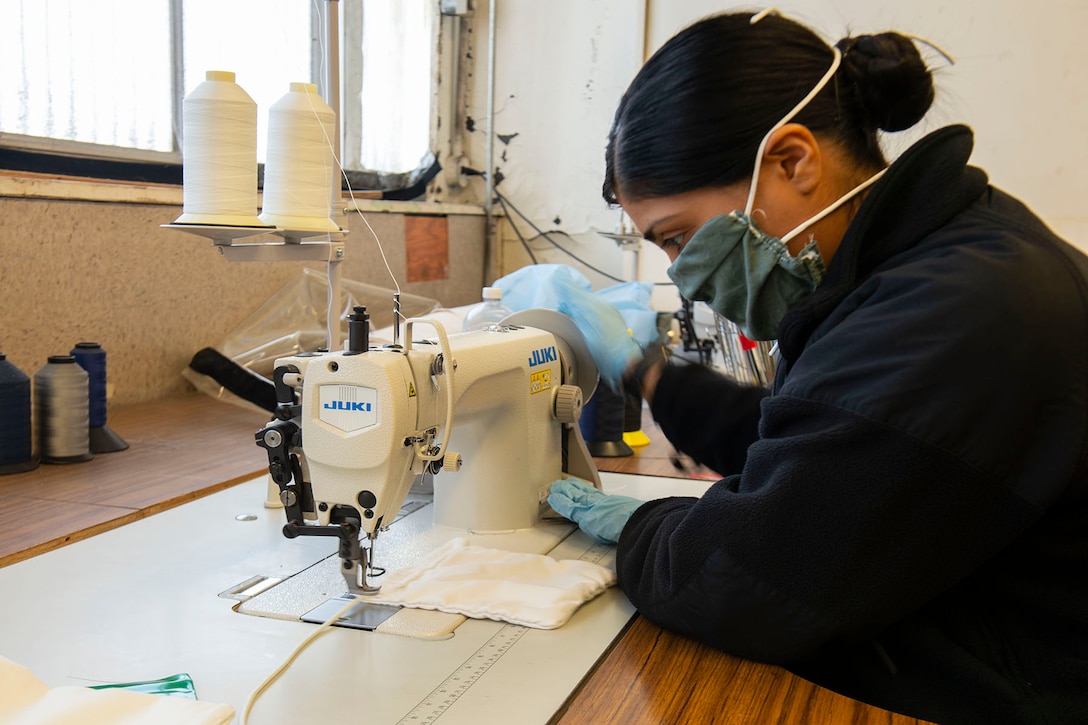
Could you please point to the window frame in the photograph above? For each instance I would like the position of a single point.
(91, 161)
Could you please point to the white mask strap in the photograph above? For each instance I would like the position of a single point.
(837, 203)
(931, 44)
(835, 61)
(762, 14)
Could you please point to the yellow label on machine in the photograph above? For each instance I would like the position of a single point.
(540, 381)
(411, 389)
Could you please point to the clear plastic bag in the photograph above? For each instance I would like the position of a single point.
(293, 320)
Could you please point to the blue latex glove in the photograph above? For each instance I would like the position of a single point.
(599, 514)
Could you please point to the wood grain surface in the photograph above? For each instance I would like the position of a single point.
(653, 676)
(179, 449)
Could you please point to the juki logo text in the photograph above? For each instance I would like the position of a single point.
(543, 356)
(347, 405)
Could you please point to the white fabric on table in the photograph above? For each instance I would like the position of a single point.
(533, 590)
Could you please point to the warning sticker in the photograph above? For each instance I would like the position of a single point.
(411, 389)
(540, 381)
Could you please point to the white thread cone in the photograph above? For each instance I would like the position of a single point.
(219, 167)
(299, 169)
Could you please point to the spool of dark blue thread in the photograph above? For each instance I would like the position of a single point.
(92, 358)
(16, 431)
(601, 424)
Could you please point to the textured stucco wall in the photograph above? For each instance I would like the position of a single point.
(72, 271)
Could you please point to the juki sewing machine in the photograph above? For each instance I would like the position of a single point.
(494, 411)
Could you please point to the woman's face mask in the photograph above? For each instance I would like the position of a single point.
(744, 274)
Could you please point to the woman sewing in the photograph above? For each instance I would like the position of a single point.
(903, 516)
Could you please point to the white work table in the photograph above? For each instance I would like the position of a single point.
(141, 602)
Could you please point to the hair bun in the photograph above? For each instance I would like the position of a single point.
(893, 82)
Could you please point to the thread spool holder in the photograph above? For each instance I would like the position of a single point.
(294, 247)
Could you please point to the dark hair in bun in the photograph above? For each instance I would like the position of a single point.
(696, 112)
(893, 83)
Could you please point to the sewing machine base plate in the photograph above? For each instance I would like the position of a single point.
(365, 615)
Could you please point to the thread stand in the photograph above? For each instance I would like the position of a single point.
(293, 248)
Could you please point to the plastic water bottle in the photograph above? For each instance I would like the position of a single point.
(489, 312)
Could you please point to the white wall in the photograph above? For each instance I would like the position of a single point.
(1018, 81)
(562, 66)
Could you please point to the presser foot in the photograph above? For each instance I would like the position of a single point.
(355, 575)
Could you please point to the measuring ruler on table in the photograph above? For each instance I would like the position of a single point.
(476, 666)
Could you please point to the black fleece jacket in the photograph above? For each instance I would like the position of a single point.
(904, 518)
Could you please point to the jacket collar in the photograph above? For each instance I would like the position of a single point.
(921, 191)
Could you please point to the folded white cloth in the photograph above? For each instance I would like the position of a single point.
(533, 590)
(26, 700)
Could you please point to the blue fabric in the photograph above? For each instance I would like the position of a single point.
(632, 299)
(599, 514)
(607, 333)
(536, 286)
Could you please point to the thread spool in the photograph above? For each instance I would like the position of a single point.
(16, 433)
(299, 167)
(219, 170)
(92, 358)
(61, 411)
(601, 424)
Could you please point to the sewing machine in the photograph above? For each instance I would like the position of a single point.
(493, 411)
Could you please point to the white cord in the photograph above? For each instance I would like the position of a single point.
(292, 657)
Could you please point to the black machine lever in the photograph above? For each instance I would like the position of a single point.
(278, 438)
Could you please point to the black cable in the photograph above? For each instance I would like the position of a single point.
(547, 237)
(540, 233)
(575, 257)
(503, 202)
(524, 243)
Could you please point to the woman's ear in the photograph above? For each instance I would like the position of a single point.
(793, 157)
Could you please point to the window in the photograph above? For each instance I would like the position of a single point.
(106, 80)
(73, 70)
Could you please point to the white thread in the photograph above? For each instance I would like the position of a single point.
(299, 165)
(220, 154)
(343, 172)
(355, 205)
